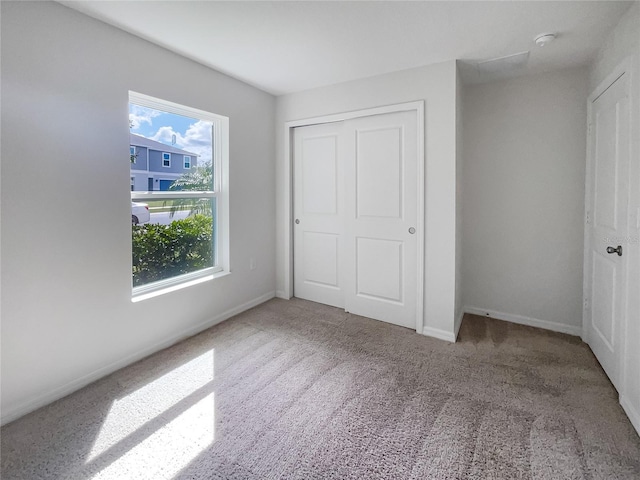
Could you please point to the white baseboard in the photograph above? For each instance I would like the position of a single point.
(282, 294)
(443, 334)
(11, 414)
(631, 412)
(439, 334)
(522, 320)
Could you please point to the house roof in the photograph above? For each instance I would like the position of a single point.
(140, 141)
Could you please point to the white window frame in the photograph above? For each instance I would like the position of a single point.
(185, 161)
(220, 192)
(168, 160)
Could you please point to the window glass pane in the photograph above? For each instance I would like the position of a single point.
(172, 156)
(160, 137)
(174, 237)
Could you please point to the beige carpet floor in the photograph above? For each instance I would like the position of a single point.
(297, 390)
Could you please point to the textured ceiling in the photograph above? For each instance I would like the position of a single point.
(284, 47)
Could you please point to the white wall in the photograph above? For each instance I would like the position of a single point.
(67, 314)
(436, 84)
(524, 147)
(623, 43)
(459, 306)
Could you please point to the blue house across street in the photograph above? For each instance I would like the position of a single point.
(157, 165)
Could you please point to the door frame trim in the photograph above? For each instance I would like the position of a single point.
(624, 68)
(418, 107)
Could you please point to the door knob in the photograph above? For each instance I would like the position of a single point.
(412, 230)
(615, 250)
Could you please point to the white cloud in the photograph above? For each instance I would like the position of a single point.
(140, 115)
(165, 134)
(197, 139)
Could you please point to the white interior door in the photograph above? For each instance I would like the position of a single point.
(606, 229)
(355, 210)
(318, 253)
(381, 209)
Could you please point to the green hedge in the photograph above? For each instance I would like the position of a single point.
(165, 251)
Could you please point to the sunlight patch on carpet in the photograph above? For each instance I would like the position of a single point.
(162, 455)
(159, 428)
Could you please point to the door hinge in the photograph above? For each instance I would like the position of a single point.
(585, 303)
(587, 217)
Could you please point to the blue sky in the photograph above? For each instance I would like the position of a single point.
(191, 134)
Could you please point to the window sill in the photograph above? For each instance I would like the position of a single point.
(147, 292)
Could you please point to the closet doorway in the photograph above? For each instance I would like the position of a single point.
(358, 195)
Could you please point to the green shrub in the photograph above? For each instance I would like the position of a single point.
(165, 251)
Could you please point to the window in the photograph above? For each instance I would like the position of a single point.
(133, 154)
(167, 255)
(133, 183)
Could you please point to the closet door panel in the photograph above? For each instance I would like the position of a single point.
(381, 217)
(319, 214)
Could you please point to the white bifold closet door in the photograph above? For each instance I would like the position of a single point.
(355, 211)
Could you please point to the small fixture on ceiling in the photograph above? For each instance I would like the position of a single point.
(544, 38)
